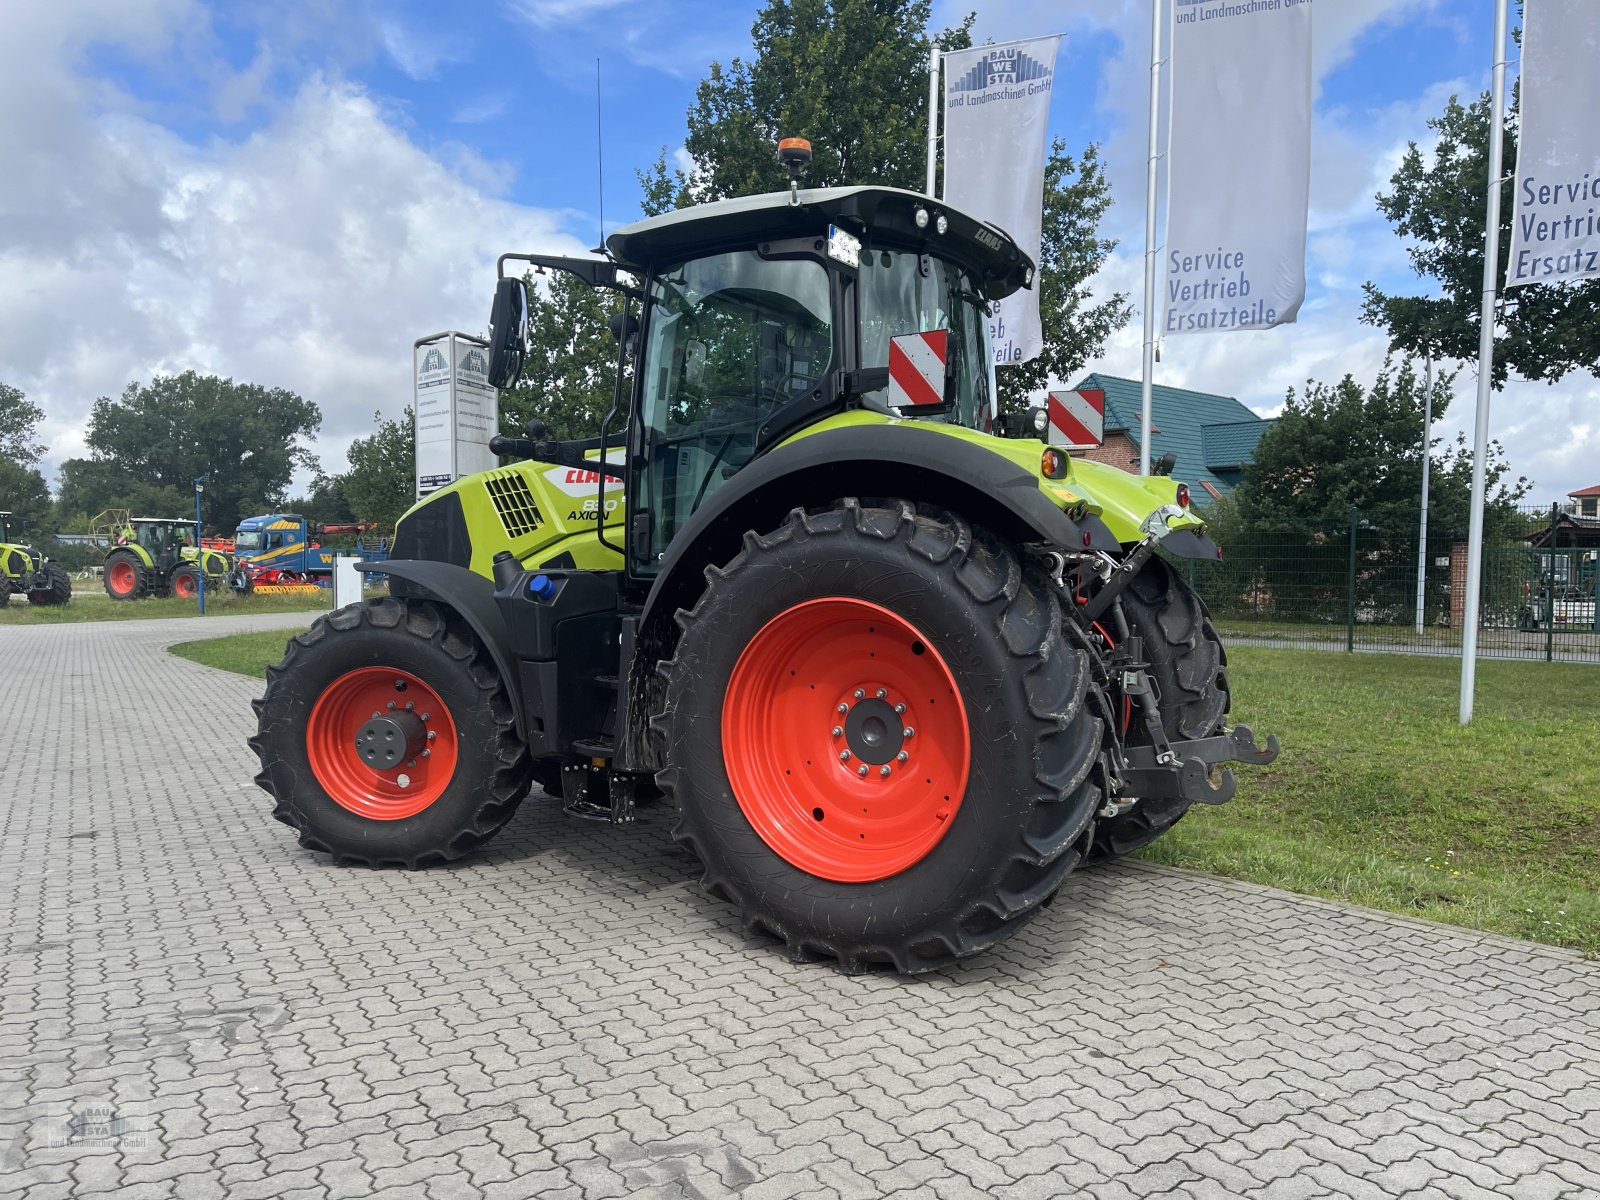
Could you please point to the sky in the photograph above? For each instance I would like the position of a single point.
(291, 194)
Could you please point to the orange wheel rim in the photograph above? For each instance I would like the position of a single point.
(122, 577)
(845, 740)
(381, 743)
(184, 585)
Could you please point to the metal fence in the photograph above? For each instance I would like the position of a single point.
(1357, 588)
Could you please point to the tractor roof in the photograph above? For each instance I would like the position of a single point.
(886, 216)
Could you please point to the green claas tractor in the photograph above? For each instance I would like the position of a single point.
(897, 675)
(24, 569)
(156, 556)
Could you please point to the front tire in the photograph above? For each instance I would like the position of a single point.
(345, 721)
(185, 583)
(922, 860)
(126, 578)
(56, 587)
(1188, 665)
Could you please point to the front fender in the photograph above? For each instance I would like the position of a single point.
(470, 595)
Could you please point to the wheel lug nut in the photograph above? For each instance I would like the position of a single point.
(901, 757)
(376, 715)
(884, 772)
(860, 694)
(393, 705)
(883, 693)
(425, 716)
(899, 710)
(838, 730)
(843, 708)
(862, 770)
(908, 732)
(844, 756)
(410, 704)
(432, 735)
(426, 753)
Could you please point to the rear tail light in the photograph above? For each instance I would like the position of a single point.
(1183, 495)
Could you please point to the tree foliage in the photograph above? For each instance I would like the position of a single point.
(1543, 331)
(19, 427)
(381, 482)
(569, 376)
(1344, 445)
(851, 75)
(147, 447)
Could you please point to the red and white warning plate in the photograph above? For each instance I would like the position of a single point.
(916, 368)
(1077, 419)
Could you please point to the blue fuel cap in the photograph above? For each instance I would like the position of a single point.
(541, 587)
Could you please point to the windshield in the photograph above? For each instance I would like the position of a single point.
(246, 540)
(903, 292)
(730, 339)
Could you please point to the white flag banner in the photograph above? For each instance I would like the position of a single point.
(1240, 170)
(1555, 226)
(996, 112)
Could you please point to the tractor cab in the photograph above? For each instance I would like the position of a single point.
(762, 316)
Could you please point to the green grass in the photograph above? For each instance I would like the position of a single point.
(1380, 797)
(242, 653)
(97, 606)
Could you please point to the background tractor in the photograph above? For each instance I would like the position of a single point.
(897, 675)
(24, 569)
(155, 556)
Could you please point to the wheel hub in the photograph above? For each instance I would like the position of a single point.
(872, 728)
(386, 741)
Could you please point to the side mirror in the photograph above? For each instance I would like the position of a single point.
(507, 332)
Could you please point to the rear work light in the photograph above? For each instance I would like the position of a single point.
(1183, 495)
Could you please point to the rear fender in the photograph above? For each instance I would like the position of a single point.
(471, 596)
(923, 465)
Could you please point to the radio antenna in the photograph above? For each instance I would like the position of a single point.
(600, 157)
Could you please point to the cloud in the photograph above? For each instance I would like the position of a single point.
(308, 255)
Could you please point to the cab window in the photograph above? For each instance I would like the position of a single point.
(730, 339)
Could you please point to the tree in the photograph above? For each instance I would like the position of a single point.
(851, 75)
(24, 495)
(1543, 331)
(1342, 446)
(381, 483)
(19, 424)
(847, 74)
(147, 447)
(570, 370)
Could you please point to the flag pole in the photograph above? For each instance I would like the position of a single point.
(1427, 461)
(1147, 381)
(1480, 443)
(933, 115)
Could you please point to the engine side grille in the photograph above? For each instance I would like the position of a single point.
(514, 502)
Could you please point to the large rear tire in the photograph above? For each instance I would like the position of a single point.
(126, 578)
(56, 589)
(1188, 664)
(387, 739)
(811, 807)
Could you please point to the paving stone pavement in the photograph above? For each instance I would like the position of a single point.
(192, 1006)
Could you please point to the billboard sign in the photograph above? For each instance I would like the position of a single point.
(456, 411)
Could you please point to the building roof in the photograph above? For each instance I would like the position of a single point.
(1588, 491)
(1208, 433)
